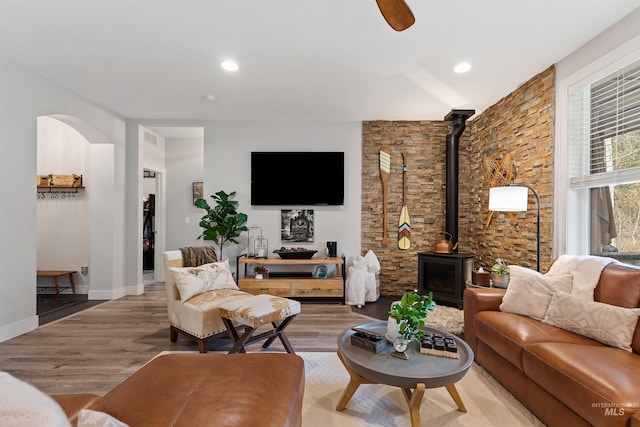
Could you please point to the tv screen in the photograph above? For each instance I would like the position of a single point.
(297, 178)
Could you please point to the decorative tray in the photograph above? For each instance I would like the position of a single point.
(294, 254)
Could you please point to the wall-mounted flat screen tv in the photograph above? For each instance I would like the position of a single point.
(297, 178)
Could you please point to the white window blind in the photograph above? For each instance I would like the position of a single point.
(615, 113)
(606, 114)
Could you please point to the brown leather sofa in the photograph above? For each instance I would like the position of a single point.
(565, 379)
(257, 389)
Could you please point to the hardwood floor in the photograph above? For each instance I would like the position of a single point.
(95, 349)
(54, 307)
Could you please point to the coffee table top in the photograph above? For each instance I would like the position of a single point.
(432, 371)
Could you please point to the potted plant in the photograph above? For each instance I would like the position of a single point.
(260, 271)
(409, 314)
(500, 274)
(222, 223)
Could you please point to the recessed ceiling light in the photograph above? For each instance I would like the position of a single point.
(462, 67)
(210, 98)
(229, 65)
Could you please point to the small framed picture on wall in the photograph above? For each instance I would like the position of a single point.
(297, 225)
(198, 192)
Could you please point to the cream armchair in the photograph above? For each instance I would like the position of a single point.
(196, 318)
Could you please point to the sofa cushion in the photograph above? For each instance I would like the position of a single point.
(619, 285)
(589, 381)
(529, 292)
(23, 405)
(192, 281)
(608, 324)
(507, 334)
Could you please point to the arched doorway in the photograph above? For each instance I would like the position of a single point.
(70, 224)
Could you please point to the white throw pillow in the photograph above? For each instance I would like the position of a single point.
(222, 276)
(608, 324)
(192, 281)
(91, 418)
(529, 292)
(23, 405)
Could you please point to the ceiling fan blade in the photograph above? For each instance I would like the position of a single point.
(396, 13)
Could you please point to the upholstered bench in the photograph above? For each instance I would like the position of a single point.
(255, 311)
(238, 390)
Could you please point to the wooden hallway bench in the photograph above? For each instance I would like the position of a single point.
(56, 275)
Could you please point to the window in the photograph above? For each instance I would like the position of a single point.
(603, 159)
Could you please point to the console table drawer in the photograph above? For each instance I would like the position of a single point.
(265, 286)
(317, 288)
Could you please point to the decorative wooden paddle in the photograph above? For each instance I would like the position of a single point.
(404, 225)
(385, 168)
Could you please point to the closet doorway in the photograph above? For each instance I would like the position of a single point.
(149, 227)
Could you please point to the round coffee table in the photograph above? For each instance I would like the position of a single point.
(413, 376)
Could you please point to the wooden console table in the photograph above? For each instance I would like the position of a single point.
(56, 274)
(292, 286)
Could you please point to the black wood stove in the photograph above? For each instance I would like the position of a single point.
(445, 275)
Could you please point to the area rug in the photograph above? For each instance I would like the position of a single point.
(447, 318)
(487, 402)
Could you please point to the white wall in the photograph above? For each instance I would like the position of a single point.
(227, 149)
(62, 223)
(153, 151)
(184, 160)
(25, 97)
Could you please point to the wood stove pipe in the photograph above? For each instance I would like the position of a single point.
(458, 119)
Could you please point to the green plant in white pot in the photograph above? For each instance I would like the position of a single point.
(222, 223)
(500, 274)
(409, 315)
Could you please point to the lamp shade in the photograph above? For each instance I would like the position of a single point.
(508, 199)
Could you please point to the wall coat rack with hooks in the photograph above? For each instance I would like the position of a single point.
(58, 186)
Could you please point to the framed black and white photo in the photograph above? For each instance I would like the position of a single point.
(198, 192)
(297, 225)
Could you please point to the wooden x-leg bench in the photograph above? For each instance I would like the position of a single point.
(56, 274)
(255, 311)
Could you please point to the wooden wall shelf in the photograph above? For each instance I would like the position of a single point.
(59, 186)
(59, 181)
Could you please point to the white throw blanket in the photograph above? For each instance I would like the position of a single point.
(361, 280)
(585, 271)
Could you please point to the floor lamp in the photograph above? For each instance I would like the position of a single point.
(514, 198)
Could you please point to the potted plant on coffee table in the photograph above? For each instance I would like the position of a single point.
(409, 314)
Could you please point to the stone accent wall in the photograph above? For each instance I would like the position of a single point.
(424, 144)
(520, 124)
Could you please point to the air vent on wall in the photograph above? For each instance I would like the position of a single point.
(150, 138)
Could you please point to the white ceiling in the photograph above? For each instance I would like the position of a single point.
(299, 59)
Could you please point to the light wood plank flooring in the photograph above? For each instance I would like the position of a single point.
(94, 350)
